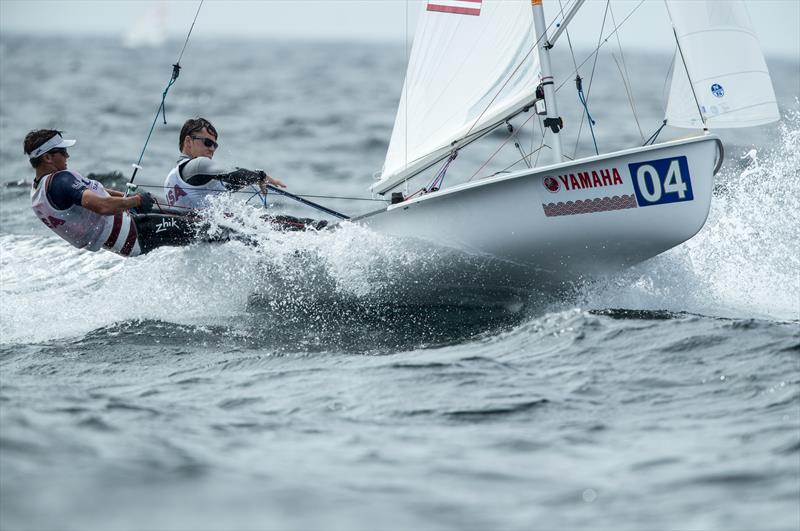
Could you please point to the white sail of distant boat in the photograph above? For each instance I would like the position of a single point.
(149, 29)
(476, 64)
(719, 49)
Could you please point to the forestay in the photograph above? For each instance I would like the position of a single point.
(730, 83)
(471, 66)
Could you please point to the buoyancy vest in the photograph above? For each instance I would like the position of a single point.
(183, 195)
(82, 227)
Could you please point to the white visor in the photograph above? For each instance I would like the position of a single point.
(53, 143)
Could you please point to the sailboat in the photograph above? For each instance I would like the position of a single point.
(477, 64)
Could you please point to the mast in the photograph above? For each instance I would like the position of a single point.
(553, 120)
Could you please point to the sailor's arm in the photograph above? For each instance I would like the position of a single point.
(242, 177)
(106, 206)
(65, 190)
(201, 170)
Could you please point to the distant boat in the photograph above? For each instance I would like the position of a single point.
(150, 28)
(476, 64)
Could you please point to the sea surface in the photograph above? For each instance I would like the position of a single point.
(277, 386)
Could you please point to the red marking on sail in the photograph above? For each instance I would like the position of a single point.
(460, 7)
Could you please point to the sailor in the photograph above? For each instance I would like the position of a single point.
(196, 179)
(89, 216)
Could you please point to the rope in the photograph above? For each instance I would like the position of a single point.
(653, 137)
(594, 52)
(488, 105)
(190, 31)
(601, 42)
(257, 192)
(626, 77)
(541, 144)
(492, 156)
(510, 77)
(279, 191)
(585, 99)
(579, 85)
(214, 190)
(439, 179)
(176, 70)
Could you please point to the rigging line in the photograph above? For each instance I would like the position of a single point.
(686, 67)
(307, 202)
(405, 103)
(585, 99)
(343, 197)
(508, 80)
(569, 40)
(689, 79)
(594, 52)
(436, 184)
(298, 195)
(176, 69)
(519, 148)
(668, 78)
(653, 137)
(524, 157)
(630, 96)
(190, 32)
(538, 151)
(626, 77)
(256, 192)
(488, 129)
(497, 94)
(516, 133)
(580, 92)
(589, 118)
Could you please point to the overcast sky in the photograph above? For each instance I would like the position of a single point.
(777, 22)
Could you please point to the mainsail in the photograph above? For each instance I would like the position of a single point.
(472, 65)
(730, 84)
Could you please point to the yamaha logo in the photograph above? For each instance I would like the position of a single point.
(551, 184)
(717, 90)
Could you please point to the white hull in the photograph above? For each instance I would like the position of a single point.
(596, 215)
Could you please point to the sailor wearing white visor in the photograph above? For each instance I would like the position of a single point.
(89, 216)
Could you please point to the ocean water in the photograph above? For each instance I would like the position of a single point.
(278, 386)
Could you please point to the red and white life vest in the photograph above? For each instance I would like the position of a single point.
(82, 227)
(183, 195)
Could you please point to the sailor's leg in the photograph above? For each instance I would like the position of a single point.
(158, 230)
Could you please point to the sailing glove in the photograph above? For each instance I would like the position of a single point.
(147, 202)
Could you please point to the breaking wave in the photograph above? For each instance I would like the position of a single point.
(746, 260)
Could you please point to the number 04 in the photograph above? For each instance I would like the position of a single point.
(673, 182)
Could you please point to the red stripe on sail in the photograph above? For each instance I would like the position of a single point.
(112, 238)
(459, 10)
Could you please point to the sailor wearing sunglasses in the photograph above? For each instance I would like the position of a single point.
(196, 179)
(89, 216)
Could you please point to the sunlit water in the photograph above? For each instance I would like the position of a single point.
(285, 385)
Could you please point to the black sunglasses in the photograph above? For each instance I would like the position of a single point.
(207, 142)
(57, 151)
